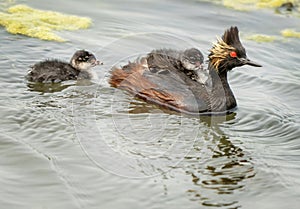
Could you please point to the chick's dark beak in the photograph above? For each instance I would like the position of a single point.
(246, 61)
(98, 62)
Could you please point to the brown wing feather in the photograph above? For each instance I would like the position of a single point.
(131, 78)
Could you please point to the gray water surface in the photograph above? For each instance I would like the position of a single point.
(91, 146)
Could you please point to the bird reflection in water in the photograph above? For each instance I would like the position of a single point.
(225, 173)
(217, 166)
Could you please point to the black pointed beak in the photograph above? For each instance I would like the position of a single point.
(246, 61)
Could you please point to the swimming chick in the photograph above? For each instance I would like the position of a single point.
(52, 71)
(176, 91)
(189, 61)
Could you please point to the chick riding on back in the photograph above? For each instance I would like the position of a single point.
(179, 92)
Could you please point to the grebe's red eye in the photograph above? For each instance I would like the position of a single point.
(233, 54)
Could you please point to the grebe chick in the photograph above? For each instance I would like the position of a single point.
(53, 71)
(192, 59)
(192, 62)
(189, 61)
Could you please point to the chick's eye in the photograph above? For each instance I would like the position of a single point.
(233, 54)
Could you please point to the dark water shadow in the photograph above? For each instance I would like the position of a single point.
(138, 106)
(55, 87)
(288, 9)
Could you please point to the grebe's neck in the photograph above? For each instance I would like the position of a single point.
(221, 96)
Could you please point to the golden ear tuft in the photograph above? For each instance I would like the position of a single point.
(219, 52)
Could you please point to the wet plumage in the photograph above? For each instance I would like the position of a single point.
(177, 91)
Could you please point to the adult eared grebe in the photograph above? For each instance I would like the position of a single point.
(176, 91)
(57, 71)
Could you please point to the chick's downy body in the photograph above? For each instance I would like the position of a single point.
(79, 67)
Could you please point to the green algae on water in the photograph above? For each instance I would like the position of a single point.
(287, 33)
(261, 38)
(241, 5)
(245, 5)
(274, 3)
(21, 19)
(290, 33)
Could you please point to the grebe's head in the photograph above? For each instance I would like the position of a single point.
(84, 60)
(192, 59)
(229, 52)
